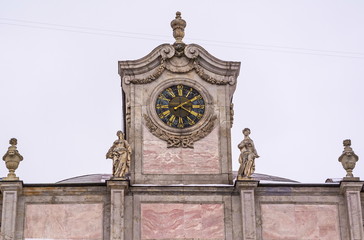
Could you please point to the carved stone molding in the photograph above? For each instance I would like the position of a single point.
(179, 60)
(191, 65)
(176, 141)
(156, 74)
(231, 114)
(206, 77)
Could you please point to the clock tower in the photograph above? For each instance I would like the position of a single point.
(178, 113)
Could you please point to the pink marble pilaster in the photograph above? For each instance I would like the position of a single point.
(182, 221)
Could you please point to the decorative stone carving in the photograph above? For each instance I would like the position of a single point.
(12, 159)
(231, 115)
(128, 113)
(202, 74)
(156, 74)
(248, 153)
(348, 158)
(191, 57)
(120, 153)
(178, 25)
(176, 141)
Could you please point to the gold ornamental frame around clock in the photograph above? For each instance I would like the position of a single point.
(180, 136)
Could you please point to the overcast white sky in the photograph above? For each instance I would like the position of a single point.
(300, 88)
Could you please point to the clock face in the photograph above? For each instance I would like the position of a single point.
(180, 106)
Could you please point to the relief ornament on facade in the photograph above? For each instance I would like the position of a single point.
(120, 153)
(348, 158)
(177, 141)
(247, 156)
(12, 159)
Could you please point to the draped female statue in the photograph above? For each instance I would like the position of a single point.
(120, 153)
(248, 153)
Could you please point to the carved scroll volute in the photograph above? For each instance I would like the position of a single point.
(191, 52)
(167, 52)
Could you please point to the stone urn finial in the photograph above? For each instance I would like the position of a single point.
(178, 25)
(12, 159)
(348, 158)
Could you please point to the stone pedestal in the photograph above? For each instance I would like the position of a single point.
(248, 218)
(117, 190)
(351, 191)
(10, 191)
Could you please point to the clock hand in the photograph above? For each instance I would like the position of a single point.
(184, 103)
(186, 109)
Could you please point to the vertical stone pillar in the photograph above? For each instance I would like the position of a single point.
(247, 189)
(351, 191)
(117, 189)
(10, 191)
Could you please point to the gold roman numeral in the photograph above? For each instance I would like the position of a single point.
(194, 113)
(172, 118)
(198, 106)
(159, 106)
(164, 114)
(180, 90)
(190, 121)
(189, 92)
(180, 123)
(170, 91)
(162, 97)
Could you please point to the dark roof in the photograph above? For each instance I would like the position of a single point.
(97, 178)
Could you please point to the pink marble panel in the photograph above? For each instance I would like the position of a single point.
(202, 159)
(182, 221)
(64, 221)
(300, 221)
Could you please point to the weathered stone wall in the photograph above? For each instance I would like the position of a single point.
(362, 206)
(64, 221)
(1, 210)
(63, 212)
(249, 210)
(287, 212)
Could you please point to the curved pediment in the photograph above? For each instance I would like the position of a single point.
(179, 58)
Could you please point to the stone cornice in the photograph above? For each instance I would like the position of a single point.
(193, 57)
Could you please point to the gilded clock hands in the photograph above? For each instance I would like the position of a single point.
(198, 115)
(188, 101)
(180, 106)
(186, 109)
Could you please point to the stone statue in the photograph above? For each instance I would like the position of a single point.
(248, 153)
(12, 159)
(348, 158)
(120, 153)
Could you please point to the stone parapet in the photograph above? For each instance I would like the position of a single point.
(10, 191)
(117, 189)
(247, 191)
(351, 191)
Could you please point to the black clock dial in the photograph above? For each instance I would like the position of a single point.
(180, 106)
